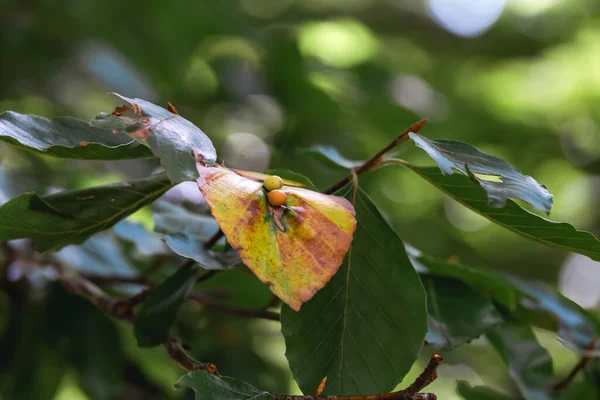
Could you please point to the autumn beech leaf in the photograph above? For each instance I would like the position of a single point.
(295, 248)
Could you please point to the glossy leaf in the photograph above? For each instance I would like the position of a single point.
(529, 364)
(295, 248)
(456, 313)
(146, 243)
(171, 137)
(469, 392)
(157, 313)
(351, 330)
(99, 255)
(500, 180)
(487, 282)
(71, 217)
(575, 327)
(67, 137)
(331, 157)
(189, 247)
(175, 218)
(211, 387)
(513, 217)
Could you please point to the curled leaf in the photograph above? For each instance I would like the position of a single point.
(500, 180)
(295, 248)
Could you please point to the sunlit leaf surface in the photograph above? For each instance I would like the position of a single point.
(295, 248)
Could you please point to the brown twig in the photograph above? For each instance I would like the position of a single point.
(376, 159)
(562, 384)
(428, 375)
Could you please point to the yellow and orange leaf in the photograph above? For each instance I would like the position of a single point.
(295, 248)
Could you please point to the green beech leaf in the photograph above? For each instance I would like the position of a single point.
(513, 217)
(529, 364)
(189, 247)
(171, 137)
(351, 330)
(489, 283)
(331, 157)
(156, 315)
(500, 180)
(71, 217)
(68, 137)
(211, 387)
(457, 313)
(575, 327)
(468, 392)
(175, 218)
(99, 255)
(146, 243)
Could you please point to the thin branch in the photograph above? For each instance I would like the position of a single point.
(428, 375)
(376, 159)
(231, 309)
(583, 362)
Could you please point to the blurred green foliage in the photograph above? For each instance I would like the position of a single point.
(297, 73)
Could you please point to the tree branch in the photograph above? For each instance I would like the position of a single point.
(376, 159)
(79, 285)
(428, 375)
(562, 384)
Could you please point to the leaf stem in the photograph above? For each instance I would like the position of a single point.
(412, 392)
(583, 362)
(376, 159)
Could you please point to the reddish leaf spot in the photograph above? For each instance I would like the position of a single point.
(120, 110)
(137, 110)
(83, 144)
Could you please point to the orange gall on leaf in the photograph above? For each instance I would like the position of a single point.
(295, 248)
(277, 197)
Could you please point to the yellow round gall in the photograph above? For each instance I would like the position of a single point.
(273, 182)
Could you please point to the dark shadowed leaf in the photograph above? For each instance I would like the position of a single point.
(171, 137)
(211, 387)
(242, 289)
(468, 392)
(529, 364)
(488, 283)
(513, 217)
(457, 313)
(575, 327)
(146, 243)
(331, 157)
(351, 329)
(68, 137)
(500, 180)
(156, 315)
(189, 247)
(99, 367)
(70, 217)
